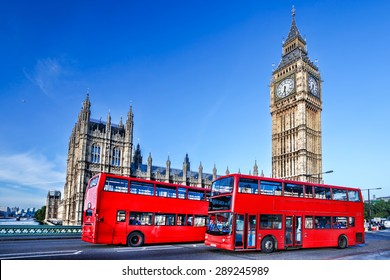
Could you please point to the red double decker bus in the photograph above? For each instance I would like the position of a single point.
(133, 212)
(258, 213)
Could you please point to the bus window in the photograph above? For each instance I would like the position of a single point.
(339, 222)
(220, 203)
(165, 191)
(94, 182)
(339, 194)
(351, 221)
(353, 196)
(308, 191)
(271, 188)
(190, 220)
(220, 223)
(322, 193)
(88, 213)
(195, 195)
(140, 218)
(308, 222)
(323, 222)
(222, 186)
(200, 221)
(270, 221)
(141, 188)
(182, 193)
(121, 216)
(248, 186)
(164, 220)
(116, 185)
(293, 190)
(181, 220)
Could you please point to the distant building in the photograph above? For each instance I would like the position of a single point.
(53, 202)
(4, 212)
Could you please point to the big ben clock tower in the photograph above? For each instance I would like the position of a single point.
(296, 104)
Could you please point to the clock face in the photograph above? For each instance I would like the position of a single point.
(313, 86)
(285, 87)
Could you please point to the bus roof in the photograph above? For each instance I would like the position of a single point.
(282, 181)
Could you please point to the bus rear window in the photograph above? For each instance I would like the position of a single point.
(353, 196)
(94, 182)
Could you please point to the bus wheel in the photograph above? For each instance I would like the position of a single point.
(268, 244)
(343, 242)
(135, 239)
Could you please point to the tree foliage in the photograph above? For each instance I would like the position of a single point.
(40, 214)
(379, 208)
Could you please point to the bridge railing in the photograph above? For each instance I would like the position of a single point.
(7, 230)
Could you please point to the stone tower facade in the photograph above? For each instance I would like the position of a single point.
(100, 146)
(53, 202)
(296, 105)
(94, 146)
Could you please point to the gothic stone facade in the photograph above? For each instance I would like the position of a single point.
(53, 203)
(96, 146)
(296, 105)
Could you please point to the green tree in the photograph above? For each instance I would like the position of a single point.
(379, 208)
(40, 214)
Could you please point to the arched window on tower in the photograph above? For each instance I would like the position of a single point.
(116, 157)
(95, 153)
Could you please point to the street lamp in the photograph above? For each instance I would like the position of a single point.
(369, 205)
(318, 175)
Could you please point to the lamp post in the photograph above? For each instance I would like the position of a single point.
(369, 205)
(318, 175)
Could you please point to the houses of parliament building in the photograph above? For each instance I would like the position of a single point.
(100, 146)
(295, 105)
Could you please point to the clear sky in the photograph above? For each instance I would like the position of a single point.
(197, 74)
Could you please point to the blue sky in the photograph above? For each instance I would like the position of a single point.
(197, 74)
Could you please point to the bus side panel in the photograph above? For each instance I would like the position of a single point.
(168, 234)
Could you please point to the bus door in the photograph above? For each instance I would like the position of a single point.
(293, 232)
(120, 230)
(245, 231)
(251, 231)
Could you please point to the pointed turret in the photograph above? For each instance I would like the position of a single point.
(294, 47)
(84, 115)
(255, 169)
(200, 175)
(168, 170)
(294, 32)
(149, 168)
(214, 172)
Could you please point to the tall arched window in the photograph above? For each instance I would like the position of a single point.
(95, 153)
(116, 157)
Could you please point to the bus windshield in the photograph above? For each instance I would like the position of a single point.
(220, 224)
(222, 186)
